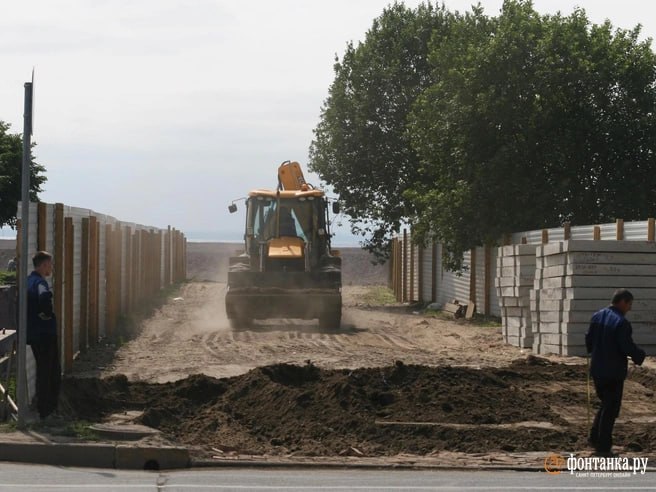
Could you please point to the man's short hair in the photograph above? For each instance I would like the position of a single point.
(40, 258)
(621, 295)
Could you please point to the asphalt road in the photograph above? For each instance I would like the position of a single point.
(35, 478)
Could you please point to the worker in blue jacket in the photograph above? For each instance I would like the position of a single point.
(609, 341)
(42, 335)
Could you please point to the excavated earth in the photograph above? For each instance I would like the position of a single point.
(282, 409)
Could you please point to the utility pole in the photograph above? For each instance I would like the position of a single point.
(21, 374)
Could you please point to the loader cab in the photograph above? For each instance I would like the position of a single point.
(287, 230)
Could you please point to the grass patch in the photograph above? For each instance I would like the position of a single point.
(7, 278)
(78, 429)
(81, 430)
(9, 426)
(11, 384)
(379, 295)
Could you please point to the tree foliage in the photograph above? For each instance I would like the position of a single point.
(523, 121)
(361, 147)
(551, 119)
(11, 155)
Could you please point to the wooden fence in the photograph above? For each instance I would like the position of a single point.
(104, 269)
(417, 273)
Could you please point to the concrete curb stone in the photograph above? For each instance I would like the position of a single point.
(96, 455)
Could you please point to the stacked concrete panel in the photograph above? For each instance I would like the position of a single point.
(514, 281)
(573, 279)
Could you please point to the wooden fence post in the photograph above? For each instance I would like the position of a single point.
(151, 267)
(160, 259)
(136, 266)
(404, 297)
(399, 269)
(545, 236)
(650, 229)
(153, 262)
(110, 282)
(619, 229)
(420, 273)
(411, 296)
(118, 270)
(180, 253)
(174, 256)
(58, 280)
(42, 224)
(596, 233)
(84, 287)
(184, 258)
(94, 279)
(69, 293)
(472, 276)
(488, 279)
(434, 272)
(390, 272)
(143, 254)
(129, 272)
(167, 256)
(567, 231)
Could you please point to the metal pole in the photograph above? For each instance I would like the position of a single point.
(21, 375)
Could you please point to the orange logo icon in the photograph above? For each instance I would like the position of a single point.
(553, 464)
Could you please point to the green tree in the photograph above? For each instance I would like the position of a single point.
(361, 147)
(11, 152)
(534, 121)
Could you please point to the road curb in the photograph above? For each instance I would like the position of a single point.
(90, 455)
(121, 456)
(97, 455)
(151, 458)
(363, 466)
(242, 463)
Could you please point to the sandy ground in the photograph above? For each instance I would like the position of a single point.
(191, 335)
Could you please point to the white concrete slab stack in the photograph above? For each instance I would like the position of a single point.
(514, 281)
(573, 279)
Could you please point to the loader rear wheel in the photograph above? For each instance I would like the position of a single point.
(331, 320)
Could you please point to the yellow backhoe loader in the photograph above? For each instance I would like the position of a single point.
(287, 269)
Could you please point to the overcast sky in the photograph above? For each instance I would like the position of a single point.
(161, 112)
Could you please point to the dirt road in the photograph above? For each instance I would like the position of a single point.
(191, 335)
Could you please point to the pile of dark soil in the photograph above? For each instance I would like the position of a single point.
(307, 410)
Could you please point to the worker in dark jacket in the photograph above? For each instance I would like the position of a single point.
(42, 334)
(610, 342)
